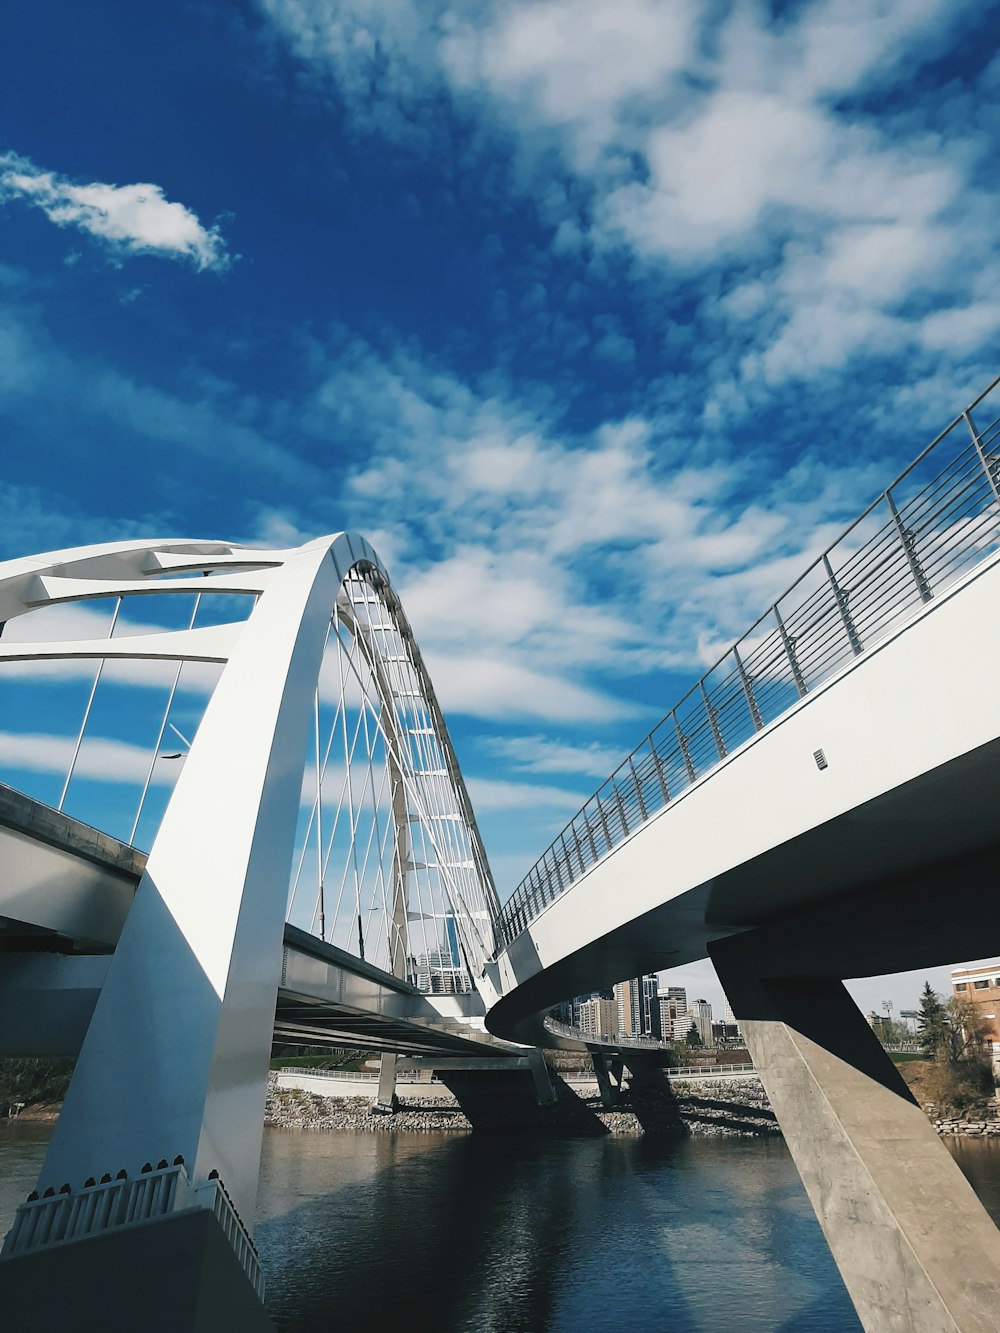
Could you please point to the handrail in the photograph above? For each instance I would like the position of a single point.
(937, 519)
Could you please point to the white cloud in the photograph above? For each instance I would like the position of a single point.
(960, 329)
(99, 759)
(696, 138)
(575, 65)
(129, 219)
(482, 686)
(542, 754)
(545, 572)
(494, 794)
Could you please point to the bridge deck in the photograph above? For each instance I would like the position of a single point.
(65, 891)
(911, 733)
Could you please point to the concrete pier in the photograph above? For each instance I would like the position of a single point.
(917, 1250)
(177, 1272)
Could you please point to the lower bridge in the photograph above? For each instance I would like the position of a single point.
(64, 899)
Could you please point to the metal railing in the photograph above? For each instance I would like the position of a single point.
(128, 1202)
(344, 1075)
(939, 518)
(708, 1071)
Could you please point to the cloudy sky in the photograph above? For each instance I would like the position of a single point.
(598, 319)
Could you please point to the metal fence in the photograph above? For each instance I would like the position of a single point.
(938, 519)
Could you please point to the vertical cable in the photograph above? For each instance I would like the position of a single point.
(319, 817)
(90, 704)
(163, 727)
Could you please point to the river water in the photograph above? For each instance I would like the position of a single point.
(462, 1233)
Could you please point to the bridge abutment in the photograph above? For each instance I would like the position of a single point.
(917, 1251)
(190, 1270)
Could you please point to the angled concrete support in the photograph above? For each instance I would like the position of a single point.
(610, 1091)
(544, 1091)
(385, 1100)
(917, 1251)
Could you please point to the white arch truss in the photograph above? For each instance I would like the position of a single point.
(379, 841)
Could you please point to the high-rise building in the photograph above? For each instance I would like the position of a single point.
(599, 1017)
(441, 970)
(674, 1022)
(638, 1007)
(701, 1016)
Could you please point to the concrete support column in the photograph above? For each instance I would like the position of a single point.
(610, 1091)
(917, 1251)
(385, 1100)
(544, 1091)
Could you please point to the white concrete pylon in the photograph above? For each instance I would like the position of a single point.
(175, 1058)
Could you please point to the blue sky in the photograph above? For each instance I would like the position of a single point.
(598, 319)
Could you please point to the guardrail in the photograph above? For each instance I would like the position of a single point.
(939, 518)
(703, 1071)
(347, 1075)
(113, 1205)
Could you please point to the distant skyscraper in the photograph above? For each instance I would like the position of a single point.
(451, 938)
(674, 1022)
(441, 971)
(701, 1016)
(638, 1007)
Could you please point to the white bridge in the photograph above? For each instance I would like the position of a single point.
(822, 804)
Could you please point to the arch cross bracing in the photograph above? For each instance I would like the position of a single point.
(319, 782)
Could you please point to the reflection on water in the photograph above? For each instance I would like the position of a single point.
(481, 1233)
(470, 1234)
(22, 1151)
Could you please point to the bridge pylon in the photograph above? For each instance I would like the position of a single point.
(154, 1160)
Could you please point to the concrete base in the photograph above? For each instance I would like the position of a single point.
(175, 1275)
(916, 1249)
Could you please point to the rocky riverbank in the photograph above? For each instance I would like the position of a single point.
(719, 1107)
(988, 1127)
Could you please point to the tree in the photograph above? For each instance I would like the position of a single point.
(932, 1024)
(967, 1030)
(693, 1037)
(956, 1038)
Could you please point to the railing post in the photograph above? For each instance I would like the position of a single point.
(569, 859)
(608, 844)
(788, 640)
(845, 615)
(590, 834)
(906, 540)
(621, 807)
(685, 750)
(747, 684)
(712, 713)
(990, 469)
(557, 871)
(661, 777)
(638, 790)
